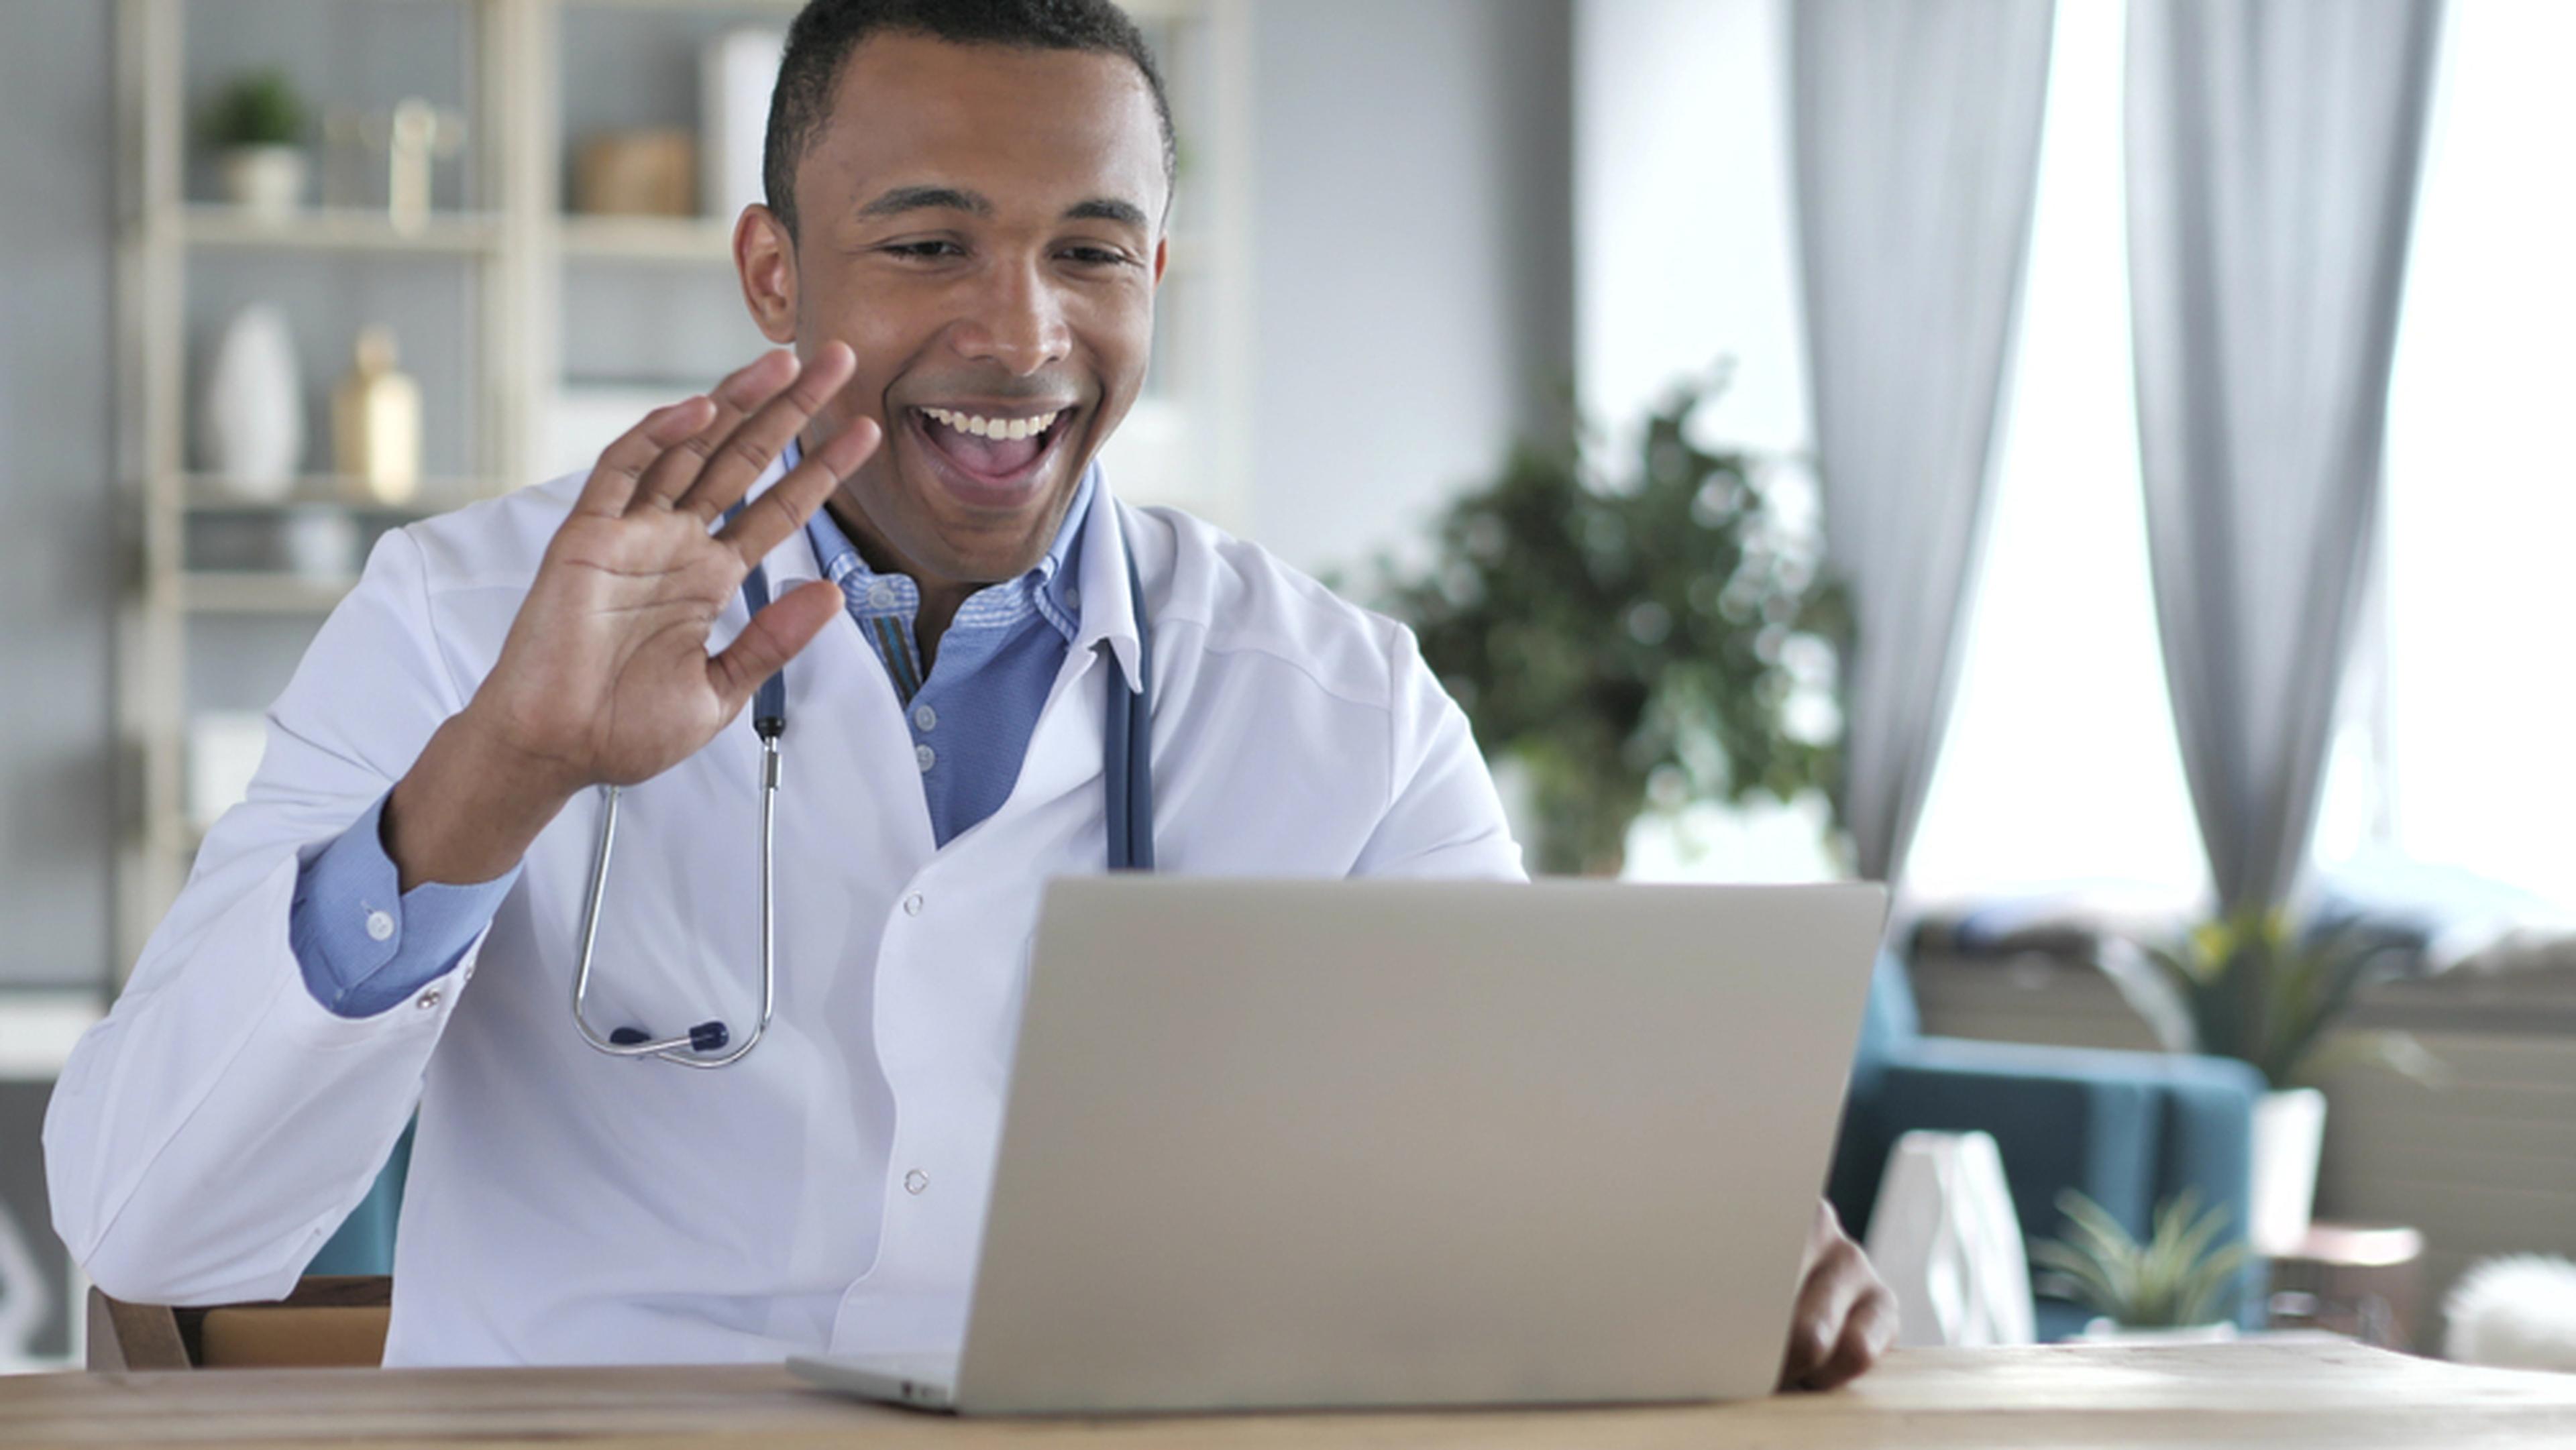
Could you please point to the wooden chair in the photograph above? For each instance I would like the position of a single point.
(329, 1320)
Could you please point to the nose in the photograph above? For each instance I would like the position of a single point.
(1015, 319)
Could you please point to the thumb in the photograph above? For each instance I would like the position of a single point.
(774, 636)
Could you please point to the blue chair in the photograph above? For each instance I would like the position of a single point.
(2129, 1129)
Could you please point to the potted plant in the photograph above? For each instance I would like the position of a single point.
(2171, 1287)
(257, 126)
(2249, 985)
(1656, 638)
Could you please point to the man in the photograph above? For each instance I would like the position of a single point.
(963, 235)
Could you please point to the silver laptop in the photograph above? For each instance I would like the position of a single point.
(1309, 1144)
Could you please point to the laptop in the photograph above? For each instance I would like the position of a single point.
(1274, 1145)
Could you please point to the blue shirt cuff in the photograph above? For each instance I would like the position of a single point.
(365, 944)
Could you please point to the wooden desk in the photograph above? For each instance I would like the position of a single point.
(2277, 1395)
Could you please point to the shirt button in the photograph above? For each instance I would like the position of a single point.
(916, 1182)
(926, 756)
(1073, 599)
(881, 596)
(380, 925)
(426, 1000)
(912, 904)
(925, 718)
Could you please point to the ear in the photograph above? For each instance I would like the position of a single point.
(765, 257)
(1162, 257)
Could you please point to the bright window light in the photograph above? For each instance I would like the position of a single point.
(2481, 694)
(2060, 769)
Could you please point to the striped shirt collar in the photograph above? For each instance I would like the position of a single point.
(1050, 588)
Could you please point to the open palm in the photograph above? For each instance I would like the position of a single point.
(606, 676)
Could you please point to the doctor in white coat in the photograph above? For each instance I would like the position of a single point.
(964, 235)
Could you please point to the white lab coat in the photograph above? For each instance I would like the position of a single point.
(564, 1206)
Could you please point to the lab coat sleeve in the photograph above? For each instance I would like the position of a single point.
(217, 1126)
(1443, 817)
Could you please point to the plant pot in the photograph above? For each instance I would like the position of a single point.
(267, 181)
(2289, 1132)
(2105, 1331)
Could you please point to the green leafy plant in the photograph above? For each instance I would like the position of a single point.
(1661, 637)
(2252, 987)
(259, 109)
(2177, 1279)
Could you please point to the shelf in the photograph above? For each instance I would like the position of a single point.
(202, 493)
(337, 229)
(220, 592)
(648, 238)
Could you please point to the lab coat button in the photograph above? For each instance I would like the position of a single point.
(912, 904)
(426, 1000)
(926, 756)
(916, 1182)
(925, 718)
(380, 925)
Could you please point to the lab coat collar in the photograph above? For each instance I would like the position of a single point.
(1108, 611)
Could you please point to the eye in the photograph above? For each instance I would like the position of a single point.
(1096, 256)
(929, 251)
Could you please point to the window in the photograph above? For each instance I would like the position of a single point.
(2060, 768)
(2472, 761)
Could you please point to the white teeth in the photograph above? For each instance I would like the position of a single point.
(982, 427)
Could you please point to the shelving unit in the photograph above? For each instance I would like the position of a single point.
(521, 257)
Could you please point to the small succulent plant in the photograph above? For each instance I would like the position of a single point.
(2177, 1279)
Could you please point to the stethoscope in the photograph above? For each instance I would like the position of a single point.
(1127, 778)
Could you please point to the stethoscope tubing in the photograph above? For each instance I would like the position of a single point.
(683, 1049)
(1127, 777)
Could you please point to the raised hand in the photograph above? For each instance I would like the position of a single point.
(605, 677)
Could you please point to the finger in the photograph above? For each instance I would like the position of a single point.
(1826, 1227)
(1824, 1305)
(773, 637)
(783, 509)
(622, 464)
(1867, 1332)
(746, 453)
(746, 388)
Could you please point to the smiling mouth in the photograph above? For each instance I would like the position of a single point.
(993, 454)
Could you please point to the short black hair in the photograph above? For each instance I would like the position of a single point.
(826, 31)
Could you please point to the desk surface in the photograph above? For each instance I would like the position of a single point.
(2279, 1395)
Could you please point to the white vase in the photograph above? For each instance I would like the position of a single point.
(2289, 1133)
(1944, 1239)
(250, 418)
(267, 181)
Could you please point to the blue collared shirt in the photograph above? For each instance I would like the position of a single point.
(364, 944)
(971, 714)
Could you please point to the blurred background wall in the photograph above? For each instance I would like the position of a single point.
(58, 560)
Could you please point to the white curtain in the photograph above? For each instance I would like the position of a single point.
(2273, 152)
(1917, 143)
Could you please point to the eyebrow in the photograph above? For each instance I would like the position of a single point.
(925, 198)
(1107, 209)
(948, 198)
